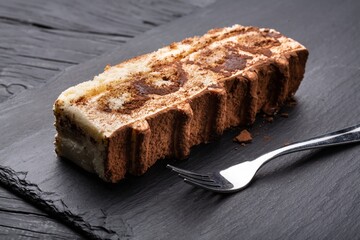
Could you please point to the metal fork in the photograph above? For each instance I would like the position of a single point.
(239, 176)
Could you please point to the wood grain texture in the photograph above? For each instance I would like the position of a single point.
(41, 38)
(20, 220)
(305, 195)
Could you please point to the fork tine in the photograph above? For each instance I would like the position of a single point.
(211, 183)
(215, 189)
(188, 173)
(201, 178)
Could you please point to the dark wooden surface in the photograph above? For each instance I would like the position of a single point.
(305, 195)
(41, 38)
(19, 219)
(38, 40)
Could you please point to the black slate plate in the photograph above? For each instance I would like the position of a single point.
(305, 195)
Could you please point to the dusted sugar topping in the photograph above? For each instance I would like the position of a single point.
(150, 83)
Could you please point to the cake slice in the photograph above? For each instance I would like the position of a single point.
(161, 104)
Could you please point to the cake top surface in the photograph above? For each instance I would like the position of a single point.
(147, 84)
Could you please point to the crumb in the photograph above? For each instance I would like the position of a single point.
(269, 111)
(284, 115)
(269, 119)
(107, 67)
(267, 138)
(243, 137)
(291, 102)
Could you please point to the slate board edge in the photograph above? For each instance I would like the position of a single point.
(17, 183)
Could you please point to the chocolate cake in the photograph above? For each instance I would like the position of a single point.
(161, 104)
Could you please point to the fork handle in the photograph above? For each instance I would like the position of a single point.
(344, 136)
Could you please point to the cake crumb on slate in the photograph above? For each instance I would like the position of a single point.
(267, 138)
(243, 137)
(269, 119)
(284, 115)
(291, 102)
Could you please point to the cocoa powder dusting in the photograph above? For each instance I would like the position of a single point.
(257, 50)
(272, 34)
(232, 62)
(143, 86)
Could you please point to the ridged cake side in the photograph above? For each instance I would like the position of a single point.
(182, 95)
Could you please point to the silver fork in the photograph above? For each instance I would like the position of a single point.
(239, 176)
